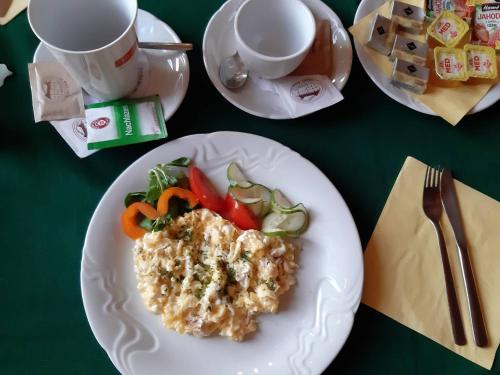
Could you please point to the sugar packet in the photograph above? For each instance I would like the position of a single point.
(4, 73)
(125, 121)
(302, 95)
(74, 132)
(55, 94)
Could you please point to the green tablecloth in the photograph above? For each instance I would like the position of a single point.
(49, 196)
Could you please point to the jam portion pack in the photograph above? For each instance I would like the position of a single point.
(487, 24)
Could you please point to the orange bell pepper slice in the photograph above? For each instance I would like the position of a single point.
(129, 219)
(187, 195)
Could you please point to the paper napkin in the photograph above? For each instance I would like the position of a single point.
(15, 8)
(450, 103)
(403, 272)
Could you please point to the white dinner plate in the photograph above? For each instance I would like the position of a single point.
(315, 317)
(399, 95)
(219, 42)
(164, 73)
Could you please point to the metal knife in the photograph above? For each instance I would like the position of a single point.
(450, 203)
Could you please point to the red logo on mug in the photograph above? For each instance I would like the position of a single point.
(100, 123)
(126, 57)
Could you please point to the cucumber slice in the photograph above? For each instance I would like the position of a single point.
(280, 204)
(236, 176)
(280, 200)
(258, 208)
(253, 195)
(285, 219)
(285, 224)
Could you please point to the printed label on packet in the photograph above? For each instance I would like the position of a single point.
(123, 122)
(450, 64)
(302, 95)
(448, 29)
(487, 25)
(481, 61)
(460, 7)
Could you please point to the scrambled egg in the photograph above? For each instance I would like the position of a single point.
(204, 276)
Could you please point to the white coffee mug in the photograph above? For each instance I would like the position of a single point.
(95, 40)
(273, 36)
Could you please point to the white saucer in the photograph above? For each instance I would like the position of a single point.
(165, 74)
(219, 42)
(401, 96)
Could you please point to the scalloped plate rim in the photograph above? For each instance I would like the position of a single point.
(357, 286)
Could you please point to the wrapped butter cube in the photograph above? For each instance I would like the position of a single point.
(481, 61)
(382, 34)
(448, 29)
(450, 63)
(410, 50)
(409, 17)
(410, 76)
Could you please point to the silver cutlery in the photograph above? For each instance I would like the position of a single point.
(433, 209)
(450, 203)
(166, 46)
(232, 72)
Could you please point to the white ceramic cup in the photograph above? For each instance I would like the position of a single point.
(273, 36)
(95, 40)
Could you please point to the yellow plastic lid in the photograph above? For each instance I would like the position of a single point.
(481, 61)
(448, 29)
(450, 63)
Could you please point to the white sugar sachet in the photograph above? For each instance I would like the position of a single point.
(55, 94)
(4, 73)
(302, 95)
(75, 133)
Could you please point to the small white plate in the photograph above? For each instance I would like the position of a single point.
(399, 95)
(165, 74)
(219, 42)
(314, 318)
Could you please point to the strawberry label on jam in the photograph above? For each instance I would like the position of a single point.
(487, 25)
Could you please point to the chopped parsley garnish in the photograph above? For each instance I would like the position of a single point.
(163, 271)
(188, 235)
(198, 293)
(270, 284)
(231, 274)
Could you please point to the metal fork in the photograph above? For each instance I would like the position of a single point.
(433, 209)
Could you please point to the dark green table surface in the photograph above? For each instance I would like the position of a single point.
(48, 196)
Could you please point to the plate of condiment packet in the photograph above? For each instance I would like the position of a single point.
(376, 64)
(258, 98)
(164, 73)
